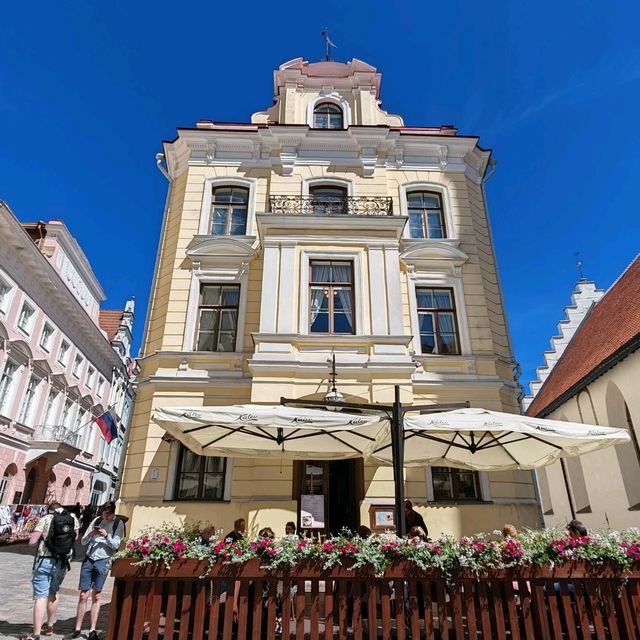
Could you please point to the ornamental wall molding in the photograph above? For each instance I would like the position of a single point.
(288, 145)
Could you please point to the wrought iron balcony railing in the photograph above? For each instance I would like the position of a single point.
(56, 433)
(332, 206)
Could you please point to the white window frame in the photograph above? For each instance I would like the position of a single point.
(63, 358)
(334, 98)
(355, 257)
(204, 226)
(91, 372)
(5, 300)
(7, 401)
(66, 420)
(46, 347)
(76, 370)
(100, 387)
(222, 277)
(30, 320)
(440, 281)
(50, 411)
(29, 400)
(310, 183)
(447, 213)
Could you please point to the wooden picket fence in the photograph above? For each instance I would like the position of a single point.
(573, 602)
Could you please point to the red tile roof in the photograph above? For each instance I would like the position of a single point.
(110, 321)
(611, 324)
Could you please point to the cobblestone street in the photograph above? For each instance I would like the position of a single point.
(15, 595)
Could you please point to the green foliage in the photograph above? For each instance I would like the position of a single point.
(478, 553)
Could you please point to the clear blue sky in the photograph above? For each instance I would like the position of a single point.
(89, 90)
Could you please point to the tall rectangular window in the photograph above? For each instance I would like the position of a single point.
(451, 484)
(46, 337)
(66, 413)
(426, 219)
(49, 412)
(5, 290)
(25, 319)
(63, 353)
(218, 317)
(437, 321)
(100, 389)
(6, 382)
(229, 211)
(77, 363)
(199, 477)
(90, 373)
(29, 400)
(331, 295)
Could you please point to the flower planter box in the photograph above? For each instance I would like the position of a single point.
(571, 600)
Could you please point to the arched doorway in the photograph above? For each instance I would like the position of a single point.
(51, 488)
(29, 486)
(6, 483)
(79, 488)
(64, 494)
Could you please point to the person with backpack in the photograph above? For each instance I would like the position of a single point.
(55, 534)
(102, 539)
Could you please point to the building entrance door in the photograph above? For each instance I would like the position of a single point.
(328, 495)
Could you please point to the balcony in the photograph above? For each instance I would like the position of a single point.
(55, 442)
(331, 206)
(56, 433)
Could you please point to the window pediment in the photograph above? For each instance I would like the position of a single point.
(433, 254)
(222, 249)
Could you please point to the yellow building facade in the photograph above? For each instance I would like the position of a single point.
(324, 227)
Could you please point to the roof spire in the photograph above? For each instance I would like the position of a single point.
(579, 265)
(328, 44)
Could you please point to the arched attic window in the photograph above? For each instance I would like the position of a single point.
(327, 115)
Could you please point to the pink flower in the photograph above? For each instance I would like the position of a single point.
(327, 547)
(272, 552)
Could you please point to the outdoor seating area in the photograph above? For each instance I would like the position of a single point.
(567, 602)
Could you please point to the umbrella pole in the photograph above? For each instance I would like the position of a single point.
(397, 449)
(567, 487)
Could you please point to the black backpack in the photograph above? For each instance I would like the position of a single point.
(61, 536)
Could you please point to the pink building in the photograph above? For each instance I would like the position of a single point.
(57, 365)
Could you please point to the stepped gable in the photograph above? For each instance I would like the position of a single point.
(584, 296)
(612, 324)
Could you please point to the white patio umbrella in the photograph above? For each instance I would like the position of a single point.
(252, 431)
(486, 440)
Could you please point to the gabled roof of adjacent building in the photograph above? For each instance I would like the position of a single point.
(110, 320)
(608, 334)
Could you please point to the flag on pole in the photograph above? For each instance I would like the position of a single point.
(108, 426)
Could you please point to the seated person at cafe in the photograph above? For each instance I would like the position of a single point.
(290, 529)
(413, 519)
(576, 529)
(239, 527)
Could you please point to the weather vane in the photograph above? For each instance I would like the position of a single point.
(328, 44)
(579, 264)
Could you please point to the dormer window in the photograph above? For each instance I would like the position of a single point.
(229, 211)
(327, 115)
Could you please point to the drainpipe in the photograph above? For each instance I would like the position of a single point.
(162, 167)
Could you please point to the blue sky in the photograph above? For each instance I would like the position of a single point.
(88, 91)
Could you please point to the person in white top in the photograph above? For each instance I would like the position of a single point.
(102, 539)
